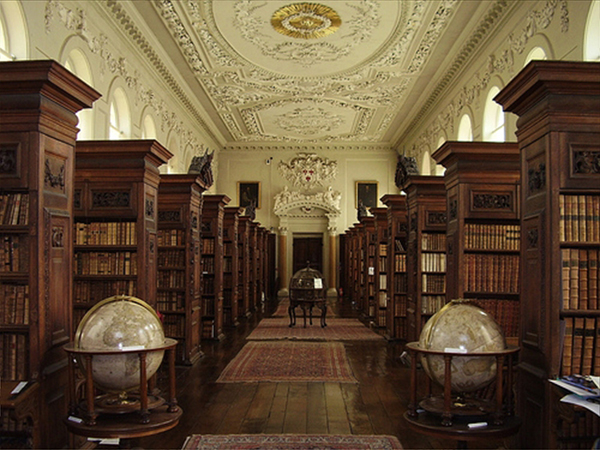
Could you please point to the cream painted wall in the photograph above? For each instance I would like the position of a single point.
(352, 166)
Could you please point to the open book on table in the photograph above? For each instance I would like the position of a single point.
(584, 391)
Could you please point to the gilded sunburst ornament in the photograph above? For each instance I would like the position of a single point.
(306, 20)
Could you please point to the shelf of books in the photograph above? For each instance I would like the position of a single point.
(381, 268)
(397, 223)
(558, 133)
(179, 266)
(230, 266)
(354, 274)
(369, 247)
(426, 250)
(483, 181)
(213, 213)
(38, 103)
(261, 244)
(244, 255)
(115, 215)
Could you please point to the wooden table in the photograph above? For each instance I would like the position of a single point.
(126, 426)
(459, 431)
(307, 305)
(24, 405)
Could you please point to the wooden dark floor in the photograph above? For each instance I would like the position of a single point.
(373, 406)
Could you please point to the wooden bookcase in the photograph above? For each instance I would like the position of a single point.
(115, 209)
(483, 181)
(38, 102)
(426, 250)
(271, 265)
(213, 213)
(230, 266)
(381, 268)
(178, 295)
(244, 254)
(359, 280)
(559, 138)
(397, 222)
(369, 249)
(254, 256)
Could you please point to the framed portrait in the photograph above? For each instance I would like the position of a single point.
(248, 192)
(366, 191)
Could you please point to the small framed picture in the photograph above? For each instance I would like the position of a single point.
(366, 192)
(249, 192)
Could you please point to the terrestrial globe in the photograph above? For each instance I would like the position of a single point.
(461, 326)
(121, 323)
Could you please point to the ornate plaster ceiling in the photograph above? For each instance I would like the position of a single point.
(297, 72)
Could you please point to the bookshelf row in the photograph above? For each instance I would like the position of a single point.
(581, 346)
(105, 263)
(433, 262)
(105, 233)
(579, 218)
(172, 237)
(482, 236)
(492, 273)
(13, 356)
(14, 209)
(579, 278)
(14, 253)
(14, 308)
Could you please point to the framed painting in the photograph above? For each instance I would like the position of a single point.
(366, 192)
(249, 192)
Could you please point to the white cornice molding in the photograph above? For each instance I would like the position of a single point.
(338, 147)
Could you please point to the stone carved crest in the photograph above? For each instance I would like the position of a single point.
(407, 165)
(307, 170)
(202, 165)
(330, 199)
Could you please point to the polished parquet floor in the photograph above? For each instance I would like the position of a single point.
(373, 406)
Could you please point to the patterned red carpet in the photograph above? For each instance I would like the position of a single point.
(291, 441)
(336, 330)
(282, 361)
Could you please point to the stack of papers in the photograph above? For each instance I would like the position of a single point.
(585, 391)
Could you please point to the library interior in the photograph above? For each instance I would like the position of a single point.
(346, 224)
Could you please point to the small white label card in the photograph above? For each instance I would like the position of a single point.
(318, 283)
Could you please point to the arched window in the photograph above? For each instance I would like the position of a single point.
(465, 129)
(13, 34)
(536, 53)
(426, 164)
(591, 44)
(493, 118)
(148, 128)
(120, 122)
(77, 63)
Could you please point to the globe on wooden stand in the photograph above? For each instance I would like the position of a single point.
(463, 350)
(119, 346)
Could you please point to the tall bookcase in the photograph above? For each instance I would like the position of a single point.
(381, 268)
(115, 209)
(230, 266)
(483, 181)
(178, 295)
(426, 251)
(244, 255)
(253, 237)
(369, 248)
(558, 133)
(397, 223)
(213, 213)
(38, 102)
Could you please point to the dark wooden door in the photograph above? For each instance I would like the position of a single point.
(308, 249)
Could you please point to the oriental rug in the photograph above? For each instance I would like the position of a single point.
(336, 330)
(291, 441)
(282, 361)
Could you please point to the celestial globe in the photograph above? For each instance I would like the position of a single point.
(121, 323)
(461, 326)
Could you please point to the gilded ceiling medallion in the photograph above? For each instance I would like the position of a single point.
(306, 20)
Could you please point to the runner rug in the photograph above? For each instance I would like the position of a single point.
(282, 361)
(291, 441)
(336, 330)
